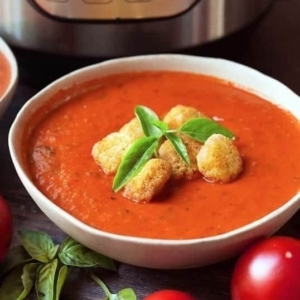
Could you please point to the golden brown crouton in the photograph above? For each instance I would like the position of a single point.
(179, 114)
(149, 181)
(109, 151)
(219, 159)
(133, 129)
(179, 169)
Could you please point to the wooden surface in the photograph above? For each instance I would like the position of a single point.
(272, 46)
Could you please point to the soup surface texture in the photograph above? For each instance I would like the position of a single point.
(62, 167)
(4, 74)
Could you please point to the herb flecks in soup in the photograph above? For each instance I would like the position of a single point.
(4, 74)
(62, 167)
(131, 152)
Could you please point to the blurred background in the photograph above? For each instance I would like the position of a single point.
(53, 37)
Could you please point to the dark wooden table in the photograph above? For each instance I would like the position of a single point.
(272, 46)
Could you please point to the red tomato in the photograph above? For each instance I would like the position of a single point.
(268, 270)
(6, 228)
(169, 295)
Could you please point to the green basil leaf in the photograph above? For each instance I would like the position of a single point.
(18, 284)
(127, 294)
(74, 254)
(146, 116)
(67, 244)
(38, 245)
(61, 279)
(201, 129)
(16, 256)
(28, 279)
(53, 251)
(124, 294)
(161, 125)
(45, 282)
(12, 286)
(135, 158)
(179, 146)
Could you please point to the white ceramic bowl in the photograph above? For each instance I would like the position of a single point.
(155, 253)
(7, 96)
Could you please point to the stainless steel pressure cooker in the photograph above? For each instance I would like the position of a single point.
(109, 28)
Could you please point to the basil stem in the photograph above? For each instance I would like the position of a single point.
(124, 294)
(161, 125)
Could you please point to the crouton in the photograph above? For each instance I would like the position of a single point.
(219, 159)
(109, 152)
(133, 129)
(149, 181)
(179, 114)
(179, 168)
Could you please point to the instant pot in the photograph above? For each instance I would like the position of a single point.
(95, 28)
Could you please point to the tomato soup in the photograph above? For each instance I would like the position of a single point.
(4, 74)
(61, 137)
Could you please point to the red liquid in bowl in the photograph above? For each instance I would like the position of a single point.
(5, 74)
(61, 165)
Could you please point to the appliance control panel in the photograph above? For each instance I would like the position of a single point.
(113, 9)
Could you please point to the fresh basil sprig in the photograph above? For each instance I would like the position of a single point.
(124, 294)
(144, 148)
(41, 264)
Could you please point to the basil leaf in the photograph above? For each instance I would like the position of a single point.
(28, 279)
(61, 279)
(68, 243)
(15, 256)
(127, 294)
(53, 251)
(146, 116)
(135, 158)
(12, 286)
(161, 125)
(74, 254)
(19, 283)
(201, 129)
(179, 146)
(38, 245)
(45, 283)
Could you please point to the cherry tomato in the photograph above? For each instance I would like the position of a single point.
(169, 295)
(6, 228)
(268, 270)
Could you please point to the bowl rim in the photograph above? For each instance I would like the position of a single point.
(128, 238)
(8, 54)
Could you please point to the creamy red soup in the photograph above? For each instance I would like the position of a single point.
(4, 74)
(62, 134)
